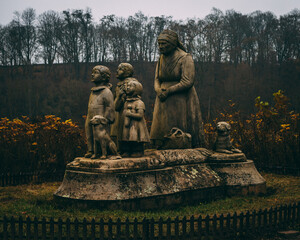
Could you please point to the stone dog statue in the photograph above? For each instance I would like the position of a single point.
(223, 143)
(102, 137)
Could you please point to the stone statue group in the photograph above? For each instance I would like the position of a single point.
(126, 111)
(121, 115)
(116, 127)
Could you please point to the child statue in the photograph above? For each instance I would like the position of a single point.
(135, 132)
(101, 103)
(124, 74)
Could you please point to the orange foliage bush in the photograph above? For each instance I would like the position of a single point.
(43, 143)
(270, 137)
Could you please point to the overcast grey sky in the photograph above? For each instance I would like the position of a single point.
(179, 9)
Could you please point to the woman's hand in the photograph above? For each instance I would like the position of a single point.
(163, 95)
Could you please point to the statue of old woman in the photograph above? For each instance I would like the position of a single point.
(177, 103)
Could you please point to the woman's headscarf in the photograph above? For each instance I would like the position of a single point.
(171, 37)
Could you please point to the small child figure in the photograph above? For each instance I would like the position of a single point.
(124, 74)
(101, 102)
(135, 132)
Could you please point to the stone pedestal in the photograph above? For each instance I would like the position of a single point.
(240, 178)
(239, 174)
(160, 178)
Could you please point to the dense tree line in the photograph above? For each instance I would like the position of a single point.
(74, 37)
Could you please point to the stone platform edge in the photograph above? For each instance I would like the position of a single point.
(154, 159)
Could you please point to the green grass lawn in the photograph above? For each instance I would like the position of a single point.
(37, 200)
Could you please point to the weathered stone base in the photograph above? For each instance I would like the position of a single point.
(156, 202)
(159, 179)
(240, 178)
(139, 184)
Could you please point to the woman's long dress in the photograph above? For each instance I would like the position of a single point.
(181, 109)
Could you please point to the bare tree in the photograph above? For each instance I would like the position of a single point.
(118, 37)
(48, 35)
(4, 47)
(14, 40)
(21, 37)
(287, 36)
(86, 32)
(30, 37)
(150, 40)
(215, 37)
(103, 32)
(263, 25)
(69, 37)
(201, 50)
(235, 26)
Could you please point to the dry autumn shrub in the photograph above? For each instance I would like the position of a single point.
(42, 143)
